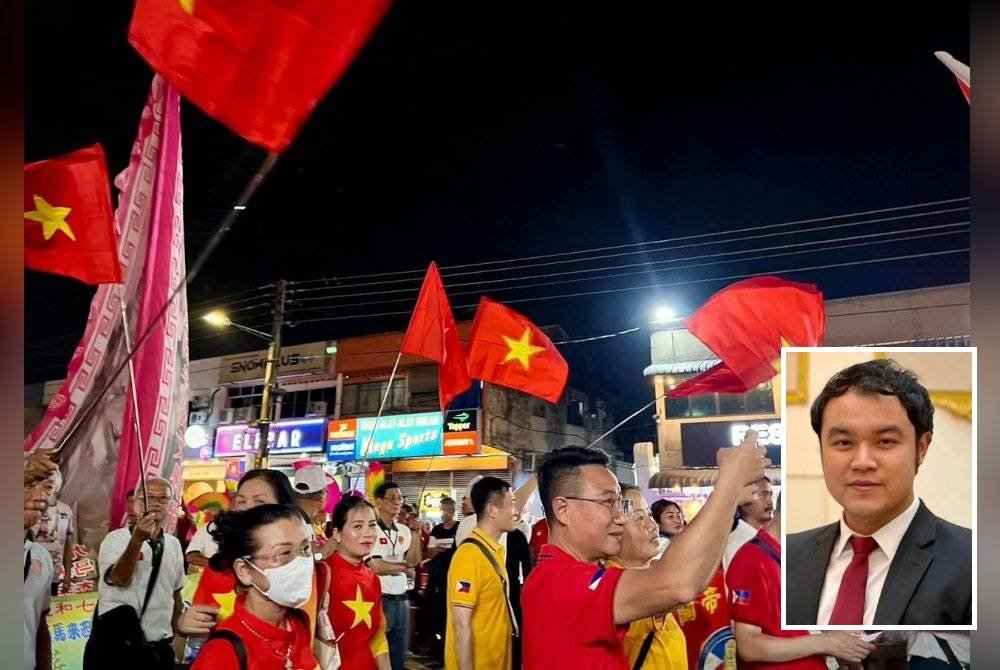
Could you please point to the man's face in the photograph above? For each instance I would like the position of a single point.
(870, 454)
(503, 512)
(391, 504)
(467, 509)
(448, 512)
(594, 528)
(158, 500)
(761, 509)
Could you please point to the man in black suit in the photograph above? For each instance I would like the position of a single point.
(889, 560)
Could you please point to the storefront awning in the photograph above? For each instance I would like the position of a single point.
(682, 368)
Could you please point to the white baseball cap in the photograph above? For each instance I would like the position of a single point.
(311, 479)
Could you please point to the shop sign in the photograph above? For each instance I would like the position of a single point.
(341, 438)
(461, 435)
(309, 358)
(700, 440)
(69, 620)
(293, 436)
(768, 433)
(400, 436)
(430, 501)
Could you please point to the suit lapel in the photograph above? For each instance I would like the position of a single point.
(907, 569)
(811, 573)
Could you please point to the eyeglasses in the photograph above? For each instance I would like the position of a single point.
(613, 505)
(400, 499)
(162, 500)
(285, 556)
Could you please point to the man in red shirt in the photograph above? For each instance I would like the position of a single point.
(754, 581)
(576, 612)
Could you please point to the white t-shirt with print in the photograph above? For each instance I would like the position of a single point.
(156, 622)
(391, 545)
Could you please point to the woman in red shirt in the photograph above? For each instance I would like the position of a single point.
(215, 592)
(269, 551)
(355, 591)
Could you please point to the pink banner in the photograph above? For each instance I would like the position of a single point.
(100, 462)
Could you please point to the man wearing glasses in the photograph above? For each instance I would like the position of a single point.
(576, 611)
(393, 559)
(127, 560)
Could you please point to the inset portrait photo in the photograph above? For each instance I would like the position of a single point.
(879, 452)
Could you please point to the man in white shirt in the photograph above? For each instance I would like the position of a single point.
(752, 516)
(126, 561)
(889, 560)
(55, 532)
(37, 593)
(202, 546)
(393, 559)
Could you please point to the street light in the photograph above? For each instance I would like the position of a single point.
(219, 319)
(664, 314)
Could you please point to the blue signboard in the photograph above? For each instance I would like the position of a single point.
(400, 435)
(341, 435)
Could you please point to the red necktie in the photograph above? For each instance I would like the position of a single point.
(850, 606)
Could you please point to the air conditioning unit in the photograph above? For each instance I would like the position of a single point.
(226, 415)
(198, 418)
(529, 462)
(201, 401)
(317, 408)
(244, 414)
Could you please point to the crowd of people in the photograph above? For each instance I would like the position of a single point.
(597, 583)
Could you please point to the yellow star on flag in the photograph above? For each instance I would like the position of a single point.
(187, 6)
(777, 362)
(362, 608)
(521, 350)
(227, 602)
(51, 218)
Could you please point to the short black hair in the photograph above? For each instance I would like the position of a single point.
(560, 472)
(447, 500)
(878, 377)
(344, 506)
(484, 492)
(384, 488)
(233, 532)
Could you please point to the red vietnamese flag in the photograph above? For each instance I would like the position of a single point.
(745, 323)
(717, 379)
(258, 66)
(432, 333)
(507, 349)
(963, 75)
(68, 221)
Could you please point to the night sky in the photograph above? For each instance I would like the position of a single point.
(470, 132)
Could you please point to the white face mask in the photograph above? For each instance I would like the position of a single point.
(291, 584)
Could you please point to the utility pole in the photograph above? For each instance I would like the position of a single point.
(270, 377)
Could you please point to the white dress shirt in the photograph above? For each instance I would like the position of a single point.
(888, 538)
(203, 542)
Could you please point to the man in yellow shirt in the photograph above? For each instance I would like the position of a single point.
(658, 639)
(480, 620)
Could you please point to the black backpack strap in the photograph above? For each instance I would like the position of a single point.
(158, 549)
(27, 563)
(766, 548)
(644, 649)
(234, 639)
(501, 573)
(949, 653)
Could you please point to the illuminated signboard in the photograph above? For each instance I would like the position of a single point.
(460, 432)
(341, 438)
(399, 436)
(293, 436)
(700, 440)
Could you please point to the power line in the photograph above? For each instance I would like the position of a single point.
(664, 285)
(411, 291)
(420, 271)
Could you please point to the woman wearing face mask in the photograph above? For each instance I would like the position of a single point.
(658, 640)
(355, 606)
(216, 589)
(268, 549)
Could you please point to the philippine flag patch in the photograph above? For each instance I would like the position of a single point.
(463, 587)
(741, 597)
(595, 581)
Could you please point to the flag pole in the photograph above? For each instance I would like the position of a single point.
(628, 418)
(224, 227)
(378, 417)
(135, 401)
